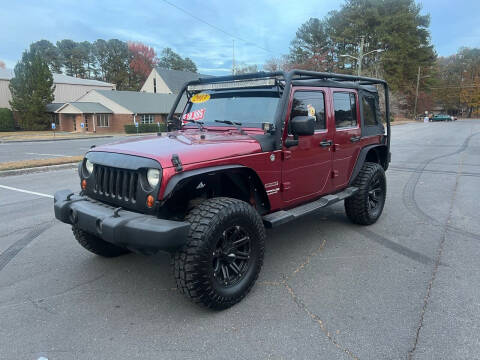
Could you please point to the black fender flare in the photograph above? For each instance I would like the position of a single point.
(178, 178)
(361, 160)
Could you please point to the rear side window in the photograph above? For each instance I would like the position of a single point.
(345, 106)
(309, 103)
(369, 113)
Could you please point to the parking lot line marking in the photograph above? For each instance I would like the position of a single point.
(30, 153)
(25, 191)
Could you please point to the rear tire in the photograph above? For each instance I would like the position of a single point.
(366, 206)
(223, 256)
(96, 245)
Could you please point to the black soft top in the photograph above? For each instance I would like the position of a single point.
(335, 84)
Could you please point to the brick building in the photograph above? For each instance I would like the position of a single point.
(67, 88)
(108, 111)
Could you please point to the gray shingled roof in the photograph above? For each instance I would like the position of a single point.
(91, 107)
(175, 79)
(54, 107)
(141, 102)
(7, 74)
(65, 79)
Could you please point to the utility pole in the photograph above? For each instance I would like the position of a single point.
(416, 94)
(233, 57)
(360, 56)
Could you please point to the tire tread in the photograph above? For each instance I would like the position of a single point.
(355, 206)
(187, 262)
(96, 245)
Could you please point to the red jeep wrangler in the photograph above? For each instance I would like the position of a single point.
(253, 151)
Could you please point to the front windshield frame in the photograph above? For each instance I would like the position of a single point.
(256, 93)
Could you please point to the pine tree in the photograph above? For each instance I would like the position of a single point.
(48, 52)
(310, 48)
(32, 89)
(171, 60)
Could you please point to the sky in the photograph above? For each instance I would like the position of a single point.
(204, 30)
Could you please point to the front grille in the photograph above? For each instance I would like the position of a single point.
(116, 184)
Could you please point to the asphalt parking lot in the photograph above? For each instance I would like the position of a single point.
(26, 150)
(405, 287)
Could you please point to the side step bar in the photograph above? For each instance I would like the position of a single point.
(283, 216)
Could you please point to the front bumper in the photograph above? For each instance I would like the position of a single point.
(135, 231)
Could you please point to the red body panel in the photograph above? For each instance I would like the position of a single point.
(189, 145)
(345, 151)
(306, 168)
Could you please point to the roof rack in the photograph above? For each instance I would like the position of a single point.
(288, 77)
(291, 75)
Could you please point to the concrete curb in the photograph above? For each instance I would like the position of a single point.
(38, 169)
(40, 140)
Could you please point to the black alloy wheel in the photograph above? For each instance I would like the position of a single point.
(231, 258)
(376, 194)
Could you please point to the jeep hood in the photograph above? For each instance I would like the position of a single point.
(191, 146)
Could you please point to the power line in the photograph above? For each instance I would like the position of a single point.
(215, 27)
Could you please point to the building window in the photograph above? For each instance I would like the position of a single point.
(102, 120)
(154, 85)
(345, 109)
(147, 118)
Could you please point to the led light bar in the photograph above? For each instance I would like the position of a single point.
(232, 85)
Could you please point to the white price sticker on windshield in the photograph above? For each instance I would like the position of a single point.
(194, 115)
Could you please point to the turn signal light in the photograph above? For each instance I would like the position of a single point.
(84, 184)
(150, 201)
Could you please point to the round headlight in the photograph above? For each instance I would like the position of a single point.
(153, 177)
(89, 166)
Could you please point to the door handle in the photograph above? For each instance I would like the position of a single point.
(355, 138)
(326, 143)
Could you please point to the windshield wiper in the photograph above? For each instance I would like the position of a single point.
(196, 122)
(236, 124)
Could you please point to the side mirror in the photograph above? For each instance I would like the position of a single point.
(303, 125)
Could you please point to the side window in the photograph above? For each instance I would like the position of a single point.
(345, 106)
(310, 103)
(369, 113)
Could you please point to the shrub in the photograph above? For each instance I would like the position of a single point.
(6, 120)
(145, 128)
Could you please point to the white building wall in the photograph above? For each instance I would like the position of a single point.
(162, 88)
(69, 92)
(62, 93)
(5, 95)
(94, 96)
(70, 109)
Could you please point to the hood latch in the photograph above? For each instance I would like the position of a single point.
(177, 163)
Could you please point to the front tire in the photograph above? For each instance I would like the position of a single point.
(366, 206)
(96, 245)
(223, 256)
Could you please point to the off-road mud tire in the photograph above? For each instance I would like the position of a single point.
(194, 265)
(357, 206)
(96, 245)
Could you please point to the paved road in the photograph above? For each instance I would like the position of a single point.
(15, 151)
(407, 286)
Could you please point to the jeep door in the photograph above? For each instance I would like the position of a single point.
(306, 167)
(347, 135)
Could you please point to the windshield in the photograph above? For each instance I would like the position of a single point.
(250, 108)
